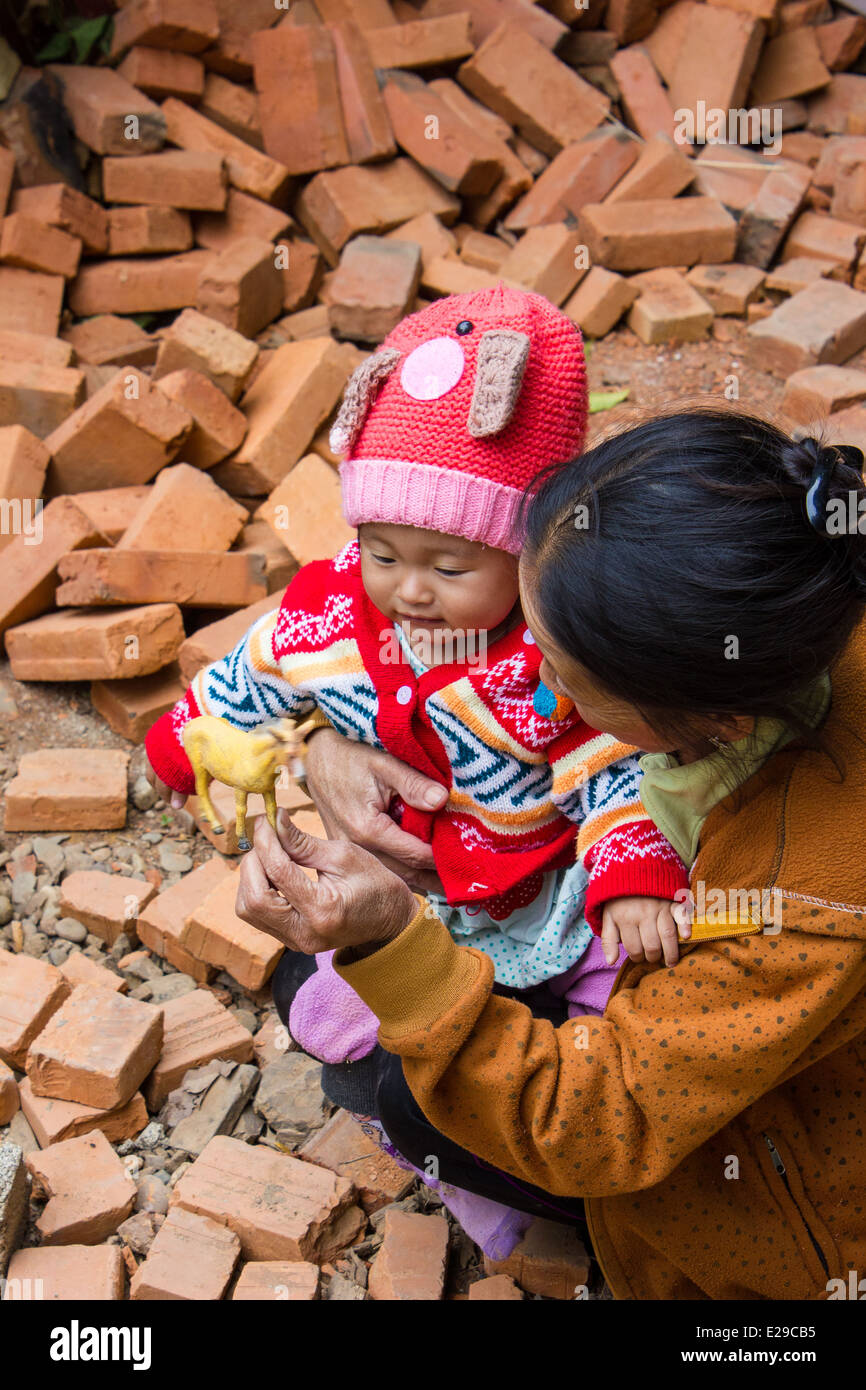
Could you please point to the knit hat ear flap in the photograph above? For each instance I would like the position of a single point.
(502, 357)
(358, 396)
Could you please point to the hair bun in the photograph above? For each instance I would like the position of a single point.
(826, 460)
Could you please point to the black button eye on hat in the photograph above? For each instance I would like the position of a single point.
(464, 327)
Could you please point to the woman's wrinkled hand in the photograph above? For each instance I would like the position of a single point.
(353, 786)
(353, 901)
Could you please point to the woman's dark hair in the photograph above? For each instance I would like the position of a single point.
(676, 562)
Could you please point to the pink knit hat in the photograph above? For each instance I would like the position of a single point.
(445, 426)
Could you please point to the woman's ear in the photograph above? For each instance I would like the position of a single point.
(731, 727)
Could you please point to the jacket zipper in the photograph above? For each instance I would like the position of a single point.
(780, 1168)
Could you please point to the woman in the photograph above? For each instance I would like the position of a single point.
(693, 593)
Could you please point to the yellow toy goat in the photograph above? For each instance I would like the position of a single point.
(249, 761)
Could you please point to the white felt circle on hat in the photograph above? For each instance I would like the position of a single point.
(432, 369)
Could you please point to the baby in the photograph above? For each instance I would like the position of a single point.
(413, 641)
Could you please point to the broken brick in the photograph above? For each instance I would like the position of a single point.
(790, 65)
(248, 169)
(192, 1257)
(127, 432)
(242, 286)
(215, 934)
(131, 707)
(816, 392)
(827, 239)
(280, 567)
(729, 289)
(34, 245)
(243, 216)
(644, 100)
(30, 992)
(305, 511)
(195, 578)
(217, 639)
(486, 252)
(176, 178)
(79, 969)
(80, 644)
(160, 73)
(428, 233)
(234, 108)
(731, 173)
(122, 286)
(37, 397)
(544, 261)
(661, 171)
(280, 1207)
(668, 308)
(108, 114)
(412, 1258)
(198, 342)
(97, 1049)
(715, 65)
(88, 1190)
(52, 1121)
(657, 231)
(68, 209)
(160, 924)
(421, 43)
(30, 559)
(584, 172)
(23, 464)
(458, 158)
(768, 216)
(343, 1147)
(445, 275)
(9, 1099)
(824, 323)
(69, 1273)
(185, 510)
(30, 302)
(365, 118)
(294, 1281)
(550, 1260)
(516, 76)
(197, 1029)
(35, 347)
(148, 230)
(340, 203)
(495, 1288)
(109, 340)
(218, 427)
(302, 275)
(600, 301)
(68, 789)
(295, 73)
(165, 24)
(373, 288)
(841, 41)
(796, 274)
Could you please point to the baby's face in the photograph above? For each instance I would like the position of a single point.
(430, 583)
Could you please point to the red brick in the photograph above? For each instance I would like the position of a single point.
(30, 992)
(487, 15)
(70, 1273)
(197, 1029)
(34, 245)
(29, 301)
(718, 57)
(446, 275)
(165, 24)
(655, 232)
(137, 287)
(841, 42)
(730, 173)
(191, 1258)
(202, 344)
(794, 14)
(422, 43)
(79, 969)
(52, 1121)
(88, 1190)
(299, 101)
(490, 132)
(645, 102)
(242, 287)
(367, 14)
(175, 178)
(374, 288)
(665, 43)
(218, 427)
(127, 432)
(484, 251)
(215, 934)
(161, 922)
(816, 392)
(131, 707)
(185, 510)
(365, 120)
(768, 216)
(243, 217)
(428, 233)
(65, 789)
(412, 1258)
(35, 347)
(849, 192)
(100, 103)
(823, 323)
(668, 308)
(343, 1147)
(280, 1207)
(23, 464)
(584, 172)
(499, 1288)
(457, 157)
(159, 73)
(217, 639)
(30, 559)
(600, 301)
(305, 511)
(141, 231)
(78, 644)
(66, 208)
(109, 340)
(97, 1049)
(661, 171)
(307, 323)
(544, 261)
(38, 397)
(847, 426)
(292, 397)
(729, 289)
(838, 108)
(280, 567)
(796, 274)
(338, 204)
(790, 65)
(112, 509)
(525, 84)
(195, 578)
(231, 55)
(303, 273)
(234, 108)
(248, 169)
(9, 1099)
(282, 1280)
(550, 1260)
(827, 239)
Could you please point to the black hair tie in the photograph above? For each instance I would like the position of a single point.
(826, 461)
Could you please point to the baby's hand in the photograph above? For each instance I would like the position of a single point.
(646, 927)
(168, 794)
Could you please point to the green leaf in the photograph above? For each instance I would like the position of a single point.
(144, 320)
(606, 400)
(58, 46)
(86, 34)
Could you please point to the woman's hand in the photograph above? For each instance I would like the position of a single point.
(353, 785)
(355, 901)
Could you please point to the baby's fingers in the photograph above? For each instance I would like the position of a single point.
(667, 932)
(610, 938)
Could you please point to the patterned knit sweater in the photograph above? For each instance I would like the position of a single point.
(521, 788)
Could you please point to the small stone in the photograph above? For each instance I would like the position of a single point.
(49, 852)
(172, 861)
(6, 913)
(291, 1099)
(143, 794)
(13, 1201)
(70, 930)
(171, 987)
(23, 887)
(247, 1018)
(152, 1195)
(152, 1135)
(138, 1230)
(343, 1290)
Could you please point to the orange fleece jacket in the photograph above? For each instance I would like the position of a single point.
(675, 1113)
